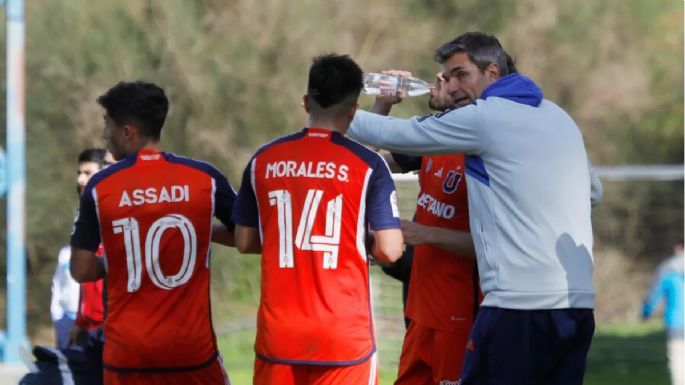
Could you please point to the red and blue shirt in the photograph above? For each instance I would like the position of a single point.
(153, 212)
(312, 195)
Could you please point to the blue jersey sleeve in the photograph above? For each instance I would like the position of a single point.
(381, 200)
(225, 197)
(407, 163)
(86, 232)
(245, 211)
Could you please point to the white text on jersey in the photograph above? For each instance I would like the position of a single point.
(153, 195)
(322, 170)
(434, 206)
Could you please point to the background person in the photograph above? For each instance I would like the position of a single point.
(667, 287)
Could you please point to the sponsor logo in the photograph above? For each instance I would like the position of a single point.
(450, 382)
(435, 207)
(150, 157)
(438, 173)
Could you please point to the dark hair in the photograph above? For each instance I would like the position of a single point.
(138, 102)
(95, 155)
(334, 79)
(482, 49)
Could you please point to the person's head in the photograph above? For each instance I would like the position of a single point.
(470, 63)
(134, 116)
(335, 82)
(90, 161)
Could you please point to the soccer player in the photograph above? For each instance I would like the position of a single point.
(305, 202)
(154, 213)
(444, 260)
(529, 192)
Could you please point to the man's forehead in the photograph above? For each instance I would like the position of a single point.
(458, 61)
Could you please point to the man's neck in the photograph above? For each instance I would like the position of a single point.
(329, 124)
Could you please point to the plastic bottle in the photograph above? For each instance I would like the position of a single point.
(383, 84)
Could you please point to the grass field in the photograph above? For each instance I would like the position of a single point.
(620, 355)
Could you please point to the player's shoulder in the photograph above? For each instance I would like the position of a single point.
(279, 141)
(370, 157)
(110, 171)
(193, 163)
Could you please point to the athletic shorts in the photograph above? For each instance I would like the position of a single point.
(213, 374)
(269, 373)
(430, 356)
(522, 347)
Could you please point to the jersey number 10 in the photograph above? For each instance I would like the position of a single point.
(304, 240)
(134, 261)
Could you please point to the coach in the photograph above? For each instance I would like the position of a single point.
(529, 188)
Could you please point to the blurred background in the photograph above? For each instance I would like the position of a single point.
(235, 72)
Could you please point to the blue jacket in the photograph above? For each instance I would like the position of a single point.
(668, 285)
(529, 189)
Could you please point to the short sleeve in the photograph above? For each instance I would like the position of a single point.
(225, 197)
(381, 200)
(86, 232)
(245, 211)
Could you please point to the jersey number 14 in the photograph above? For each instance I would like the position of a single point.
(304, 240)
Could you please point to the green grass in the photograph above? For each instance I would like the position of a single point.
(620, 355)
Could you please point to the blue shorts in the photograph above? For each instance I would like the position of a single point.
(527, 347)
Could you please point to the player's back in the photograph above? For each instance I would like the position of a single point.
(312, 192)
(155, 213)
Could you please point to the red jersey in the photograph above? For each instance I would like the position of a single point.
(91, 308)
(444, 293)
(154, 212)
(312, 195)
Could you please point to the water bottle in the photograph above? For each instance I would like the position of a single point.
(383, 84)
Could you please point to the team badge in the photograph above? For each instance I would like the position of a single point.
(451, 182)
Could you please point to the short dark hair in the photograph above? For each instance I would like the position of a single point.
(95, 155)
(334, 79)
(483, 49)
(138, 102)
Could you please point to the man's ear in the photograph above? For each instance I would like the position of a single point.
(492, 71)
(353, 110)
(130, 131)
(305, 103)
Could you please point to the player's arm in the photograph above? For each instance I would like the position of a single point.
(247, 240)
(246, 216)
(387, 246)
(85, 266)
(85, 240)
(384, 102)
(459, 242)
(222, 235)
(224, 196)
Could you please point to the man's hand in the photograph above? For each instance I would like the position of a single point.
(386, 99)
(440, 100)
(77, 335)
(414, 233)
(459, 242)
